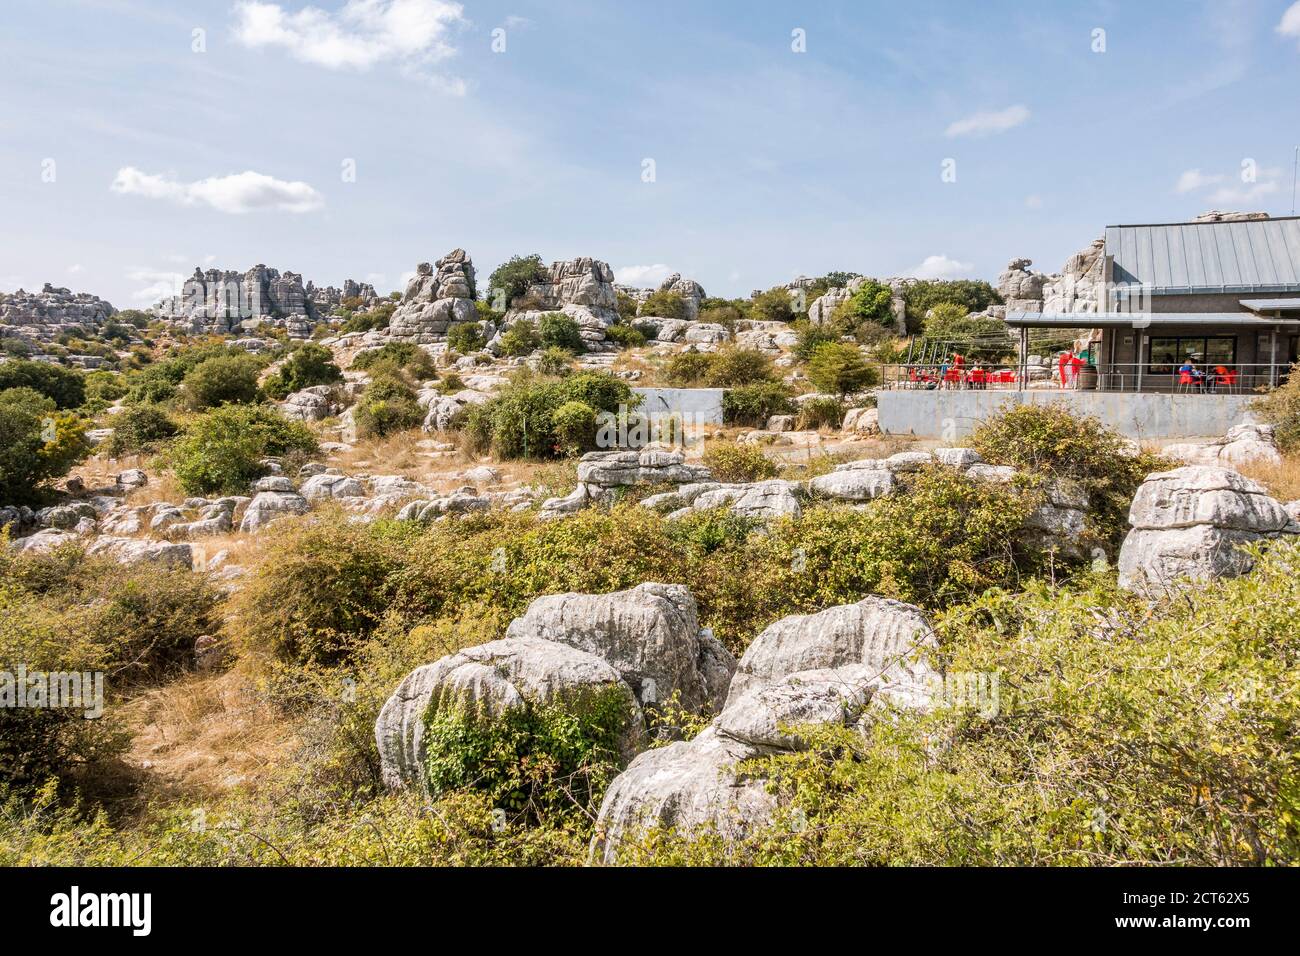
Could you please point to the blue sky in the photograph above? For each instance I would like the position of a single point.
(768, 163)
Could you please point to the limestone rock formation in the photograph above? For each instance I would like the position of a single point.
(582, 288)
(650, 634)
(223, 301)
(692, 293)
(491, 679)
(1021, 289)
(438, 297)
(1241, 445)
(833, 667)
(43, 316)
(1189, 525)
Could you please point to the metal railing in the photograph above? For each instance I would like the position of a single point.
(1213, 380)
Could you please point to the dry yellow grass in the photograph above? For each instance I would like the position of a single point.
(206, 734)
(1282, 481)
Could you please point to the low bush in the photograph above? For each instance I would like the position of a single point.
(520, 339)
(1281, 409)
(732, 366)
(840, 369)
(221, 451)
(387, 406)
(307, 365)
(753, 405)
(405, 357)
(625, 335)
(520, 422)
(557, 330)
(1051, 441)
(63, 386)
(554, 361)
(466, 337)
(37, 442)
(820, 413)
(140, 429)
(222, 380)
(730, 461)
(664, 305)
(774, 305)
(688, 369)
(574, 424)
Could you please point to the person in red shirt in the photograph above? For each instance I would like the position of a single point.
(1063, 365)
(1076, 363)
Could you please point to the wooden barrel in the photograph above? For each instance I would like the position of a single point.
(1088, 378)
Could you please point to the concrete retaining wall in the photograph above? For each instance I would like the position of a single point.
(948, 415)
(699, 406)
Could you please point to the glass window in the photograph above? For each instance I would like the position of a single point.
(1170, 353)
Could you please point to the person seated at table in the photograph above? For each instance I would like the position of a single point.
(1189, 369)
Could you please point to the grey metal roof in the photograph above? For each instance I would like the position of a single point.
(1120, 320)
(1255, 255)
(1272, 305)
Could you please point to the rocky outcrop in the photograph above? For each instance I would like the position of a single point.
(644, 644)
(439, 296)
(582, 288)
(836, 667)
(489, 681)
(222, 301)
(1020, 288)
(691, 292)
(1189, 525)
(266, 506)
(1243, 444)
(602, 473)
(43, 316)
(650, 634)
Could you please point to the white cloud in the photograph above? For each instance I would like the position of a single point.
(75, 268)
(410, 33)
(1194, 179)
(518, 23)
(159, 284)
(236, 193)
(642, 276)
(1246, 193)
(940, 267)
(1290, 23)
(984, 124)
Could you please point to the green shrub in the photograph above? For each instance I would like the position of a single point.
(868, 308)
(730, 461)
(753, 405)
(511, 279)
(1281, 409)
(575, 427)
(554, 361)
(840, 369)
(732, 366)
(820, 413)
(520, 421)
(1052, 441)
(67, 612)
(466, 337)
(140, 428)
(688, 369)
(975, 295)
(221, 450)
(665, 305)
(102, 389)
(319, 593)
(625, 335)
(557, 330)
(307, 365)
(982, 339)
(37, 442)
(1158, 738)
(222, 380)
(811, 336)
(520, 339)
(388, 405)
(376, 318)
(774, 305)
(399, 356)
(537, 758)
(64, 386)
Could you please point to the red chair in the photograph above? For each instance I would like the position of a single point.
(954, 376)
(1186, 382)
(1225, 378)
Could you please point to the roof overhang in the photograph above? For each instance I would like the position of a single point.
(1272, 305)
(1144, 320)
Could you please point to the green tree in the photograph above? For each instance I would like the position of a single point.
(665, 305)
(920, 297)
(510, 280)
(222, 380)
(37, 442)
(774, 305)
(840, 369)
(307, 365)
(222, 450)
(557, 330)
(66, 387)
